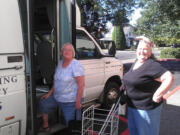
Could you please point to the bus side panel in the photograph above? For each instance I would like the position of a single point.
(11, 40)
(12, 91)
(12, 111)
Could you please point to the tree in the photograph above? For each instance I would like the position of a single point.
(93, 17)
(119, 37)
(96, 13)
(160, 21)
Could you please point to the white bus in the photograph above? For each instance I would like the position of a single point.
(32, 33)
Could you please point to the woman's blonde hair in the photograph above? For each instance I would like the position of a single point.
(73, 50)
(148, 42)
(145, 40)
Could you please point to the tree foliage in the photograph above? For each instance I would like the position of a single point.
(170, 53)
(93, 17)
(160, 21)
(96, 13)
(119, 37)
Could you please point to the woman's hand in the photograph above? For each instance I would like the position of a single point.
(122, 87)
(78, 105)
(157, 98)
(166, 80)
(46, 96)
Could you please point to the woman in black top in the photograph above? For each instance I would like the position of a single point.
(146, 83)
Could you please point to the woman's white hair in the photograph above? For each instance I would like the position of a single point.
(73, 50)
(147, 41)
(144, 39)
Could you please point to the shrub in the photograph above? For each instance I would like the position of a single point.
(170, 53)
(133, 48)
(119, 38)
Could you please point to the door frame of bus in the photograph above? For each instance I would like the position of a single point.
(30, 24)
(73, 18)
(30, 34)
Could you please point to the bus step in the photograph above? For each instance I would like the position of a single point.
(53, 129)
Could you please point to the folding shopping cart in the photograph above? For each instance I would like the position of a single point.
(100, 121)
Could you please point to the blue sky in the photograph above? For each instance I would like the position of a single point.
(136, 15)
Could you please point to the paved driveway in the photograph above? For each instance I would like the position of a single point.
(170, 117)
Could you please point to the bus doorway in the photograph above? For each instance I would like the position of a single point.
(44, 36)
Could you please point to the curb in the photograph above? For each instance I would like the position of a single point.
(171, 59)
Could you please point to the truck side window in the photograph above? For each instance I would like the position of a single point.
(85, 48)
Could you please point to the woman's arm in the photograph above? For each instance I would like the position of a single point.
(166, 80)
(48, 94)
(80, 82)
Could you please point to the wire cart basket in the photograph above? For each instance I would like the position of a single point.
(100, 121)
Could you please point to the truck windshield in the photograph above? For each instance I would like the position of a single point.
(98, 41)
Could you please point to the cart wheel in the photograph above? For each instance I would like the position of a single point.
(111, 94)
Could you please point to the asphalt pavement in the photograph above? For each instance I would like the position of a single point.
(170, 116)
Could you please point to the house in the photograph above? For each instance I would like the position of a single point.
(128, 31)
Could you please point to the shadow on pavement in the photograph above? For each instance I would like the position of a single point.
(170, 120)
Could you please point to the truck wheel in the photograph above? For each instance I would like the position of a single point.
(111, 94)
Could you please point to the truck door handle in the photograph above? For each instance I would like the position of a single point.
(15, 67)
(108, 62)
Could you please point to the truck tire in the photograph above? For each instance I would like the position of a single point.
(111, 94)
